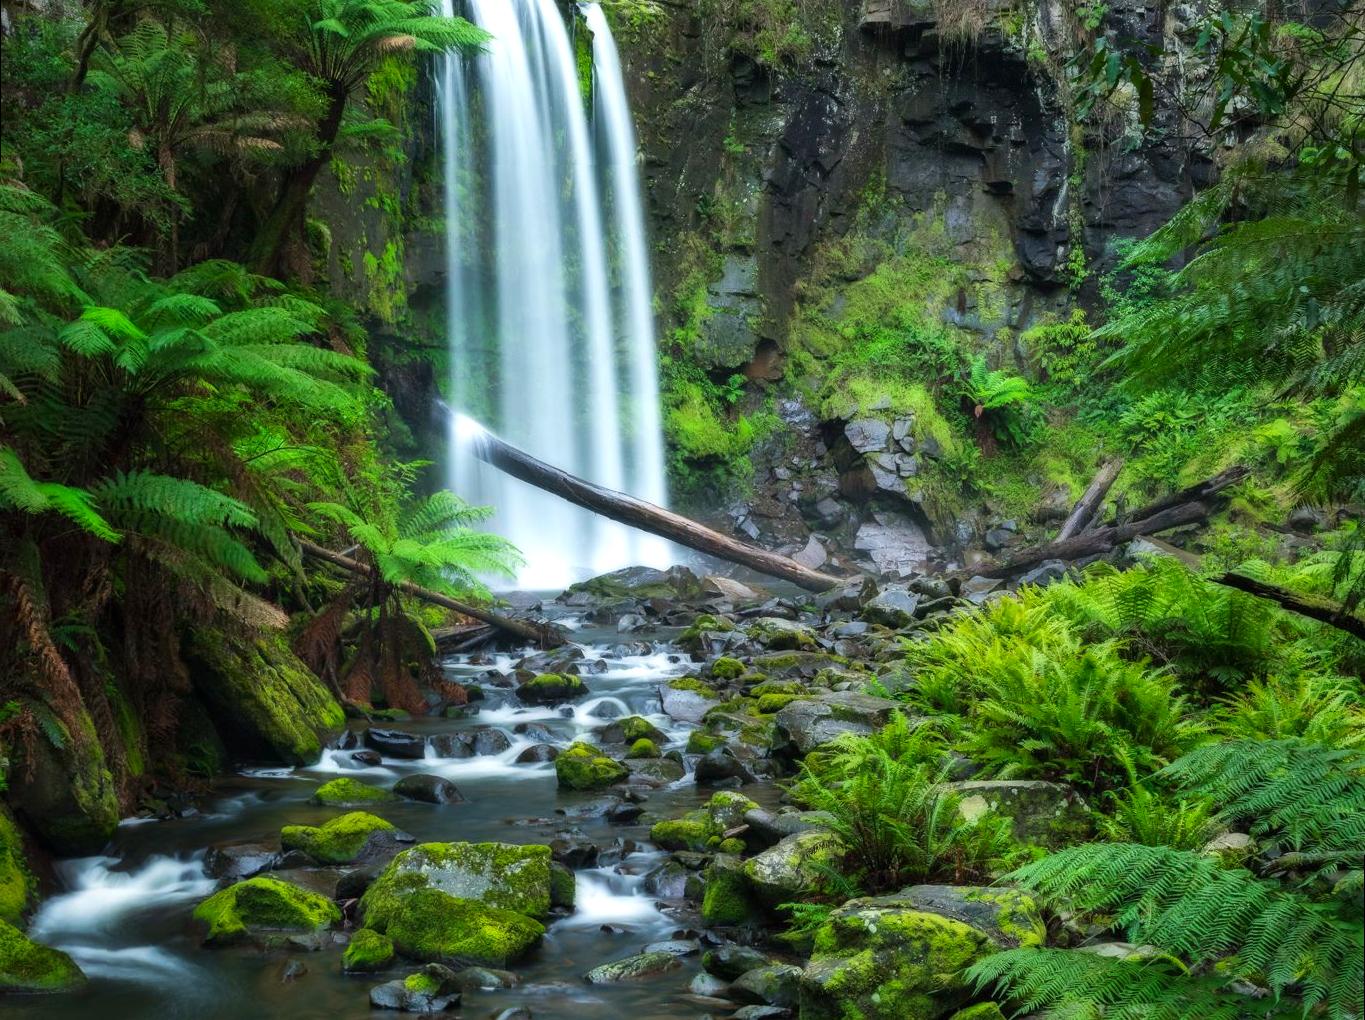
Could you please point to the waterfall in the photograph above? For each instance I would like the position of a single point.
(551, 326)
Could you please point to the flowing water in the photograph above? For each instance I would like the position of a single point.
(125, 917)
(551, 325)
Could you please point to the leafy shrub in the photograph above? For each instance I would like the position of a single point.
(1141, 815)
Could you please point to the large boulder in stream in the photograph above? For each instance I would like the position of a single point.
(640, 583)
(348, 792)
(264, 910)
(263, 700)
(687, 699)
(433, 989)
(581, 766)
(1048, 814)
(345, 839)
(28, 966)
(798, 866)
(551, 689)
(903, 955)
(804, 725)
(18, 887)
(502, 875)
(641, 965)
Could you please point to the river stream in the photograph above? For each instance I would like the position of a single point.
(125, 917)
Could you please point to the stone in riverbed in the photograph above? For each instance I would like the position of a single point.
(552, 689)
(348, 792)
(584, 767)
(637, 966)
(777, 984)
(28, 966)
(719, 768)
(705, 827)
(797, 866)
(805, 725)
(397, 743)
(344, 839)
(629, 730)
(897, 956)
(538, 753)
(433, 989)
(726, 897)
(367, 951)
(428, 789)
(730, 961)
(687, 699)
(502, 875)
(243, 860)
(263, 909)
(427, 924)
(893, 606)
(779, 635)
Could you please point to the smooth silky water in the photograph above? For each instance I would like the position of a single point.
(125, 917)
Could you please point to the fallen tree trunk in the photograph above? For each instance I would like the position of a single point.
(625, 509)
(1316, 608)
(1083, 513)
(1162, 515)
(541, 634)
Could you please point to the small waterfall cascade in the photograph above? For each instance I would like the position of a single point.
(551, 324)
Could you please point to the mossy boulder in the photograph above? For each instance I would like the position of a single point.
(726, 897)
(67, 795)
(727, 668)
(338, 841)
(641, 965)
(367, 951)
(264, 701)
(1048, 814)
(28, 966)
(703, 828)
(701, 742)
(799, 865)
(428, 924)
(262, 908)
(643, 748)
(898, 956)
(433, 989)
(504, 875)
(347, 792)
(582, 766)
(552, 689)
(807, 723)
(777, 634)
(687, 699)
(981, 1011)
(676, 582)
(630, 729)
(18, 888)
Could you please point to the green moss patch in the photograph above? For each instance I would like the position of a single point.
(27, 966)
(584, 767)
(504, 875)
(338, 841)
(427, 924)
(368, 950)
(18, 888)
(346, 792)
(262, 905)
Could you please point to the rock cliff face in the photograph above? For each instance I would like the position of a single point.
(926, 153)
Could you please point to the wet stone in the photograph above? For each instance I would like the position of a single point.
(428, 789)
(396, 744)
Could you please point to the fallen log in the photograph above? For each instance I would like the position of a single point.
(1083, 513)
(637, 513)
(541, 634)
(1314, 607)
(1158, 516)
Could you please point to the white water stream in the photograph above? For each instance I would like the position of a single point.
(551, 324)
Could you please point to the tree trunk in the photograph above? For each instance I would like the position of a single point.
(541, 634)
(645, 516)
(1323, 610)
(1083, 514)
(289, 209)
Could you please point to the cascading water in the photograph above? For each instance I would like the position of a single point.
(549, 346)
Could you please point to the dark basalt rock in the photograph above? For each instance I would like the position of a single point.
(429, 789)
(396, 744)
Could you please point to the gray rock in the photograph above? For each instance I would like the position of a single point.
(433, 989)
(998, 538)
(453, 745)
(730, 961)
(538, 753)
(797, 866)
(976, 589)
(894, 543)
(1045, 573)
(767, 828)
(760, 1013)
(678, 947)
(630, 622)
(867, 435)
(777, 634)
(243, 860)
(1306, 519)
(1049, 814)
(813, 555)
(708, 985)
(475, 978)
(638, 966)
(429, 789)
(488, 740)
(778, 984)
(683, 705)
(721, 768)
(397, 743)
(893, 606)
(806, 724)
(514, 1013)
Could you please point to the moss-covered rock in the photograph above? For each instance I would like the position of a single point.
(687, 699)
(584, 767)
(643, 748)
(771, 703)
(701, 742)
(428, 924)
(261, 907)
(981, 1011)
(18, 889)
(67, 795)
(504, 875)
(696, 634)
(1048, 814)
(563, 886)
(433, 989)
(777, 634)
(337, 841)
(367, 951)
(552, 689)
(634, 728)
(347, 792)
(641, 965)
(28, 966)
(726, 898)
(702, 829)
(891, 957)
(727, 668)
(264, 701)
(799, 865)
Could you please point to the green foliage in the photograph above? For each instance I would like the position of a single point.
(1065, 352)
(1002, 400)
(891, 814)
(773, 32)
(1142, 815)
